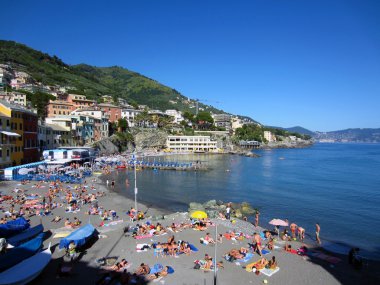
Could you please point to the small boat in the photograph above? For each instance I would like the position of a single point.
(97, 173)
(12, 228)
(120, 167)
(25, 235)
(18, 254)
(80, 236)
(26, 270)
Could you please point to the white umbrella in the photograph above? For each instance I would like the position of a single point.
(23, 171)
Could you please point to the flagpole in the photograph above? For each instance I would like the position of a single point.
(135, 161)
(216, 245)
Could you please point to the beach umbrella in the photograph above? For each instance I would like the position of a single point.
(199, 215)
(278, 222)
(23, 171)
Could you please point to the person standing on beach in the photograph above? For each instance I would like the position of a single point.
(293, 228)
(228, 211)
(257, 218)
(113, 184)
(317, 231)
(108, 182)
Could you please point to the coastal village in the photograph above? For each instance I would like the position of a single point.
(61, 168)
(72, 120)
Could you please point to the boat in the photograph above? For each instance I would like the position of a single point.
(12, 228)
(25, 235)
(79, 236)
(97, 173)
(120, 167)
(18, 254)
(27, 270)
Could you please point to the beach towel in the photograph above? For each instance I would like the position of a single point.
(250, 266)
(140, 247)
(248, 256)
(292, 251)
(156, 268)
(192, 247)
(264, 251)
(142, 237)
(269, 272)
(61, 234)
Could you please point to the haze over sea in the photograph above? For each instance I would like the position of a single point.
(337, 185)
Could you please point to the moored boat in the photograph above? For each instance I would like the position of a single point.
(25, 235)
(26, 270)
(18, 254)
(12, 228)
(80, 236)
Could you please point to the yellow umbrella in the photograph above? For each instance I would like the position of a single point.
(199, 215)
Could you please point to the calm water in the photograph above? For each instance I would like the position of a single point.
(337, 185)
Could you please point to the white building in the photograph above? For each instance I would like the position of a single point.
(269, 136)
(130, 114)
(191, 143)
(176, 114)
(15, 98)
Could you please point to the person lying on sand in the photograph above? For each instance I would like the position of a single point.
(143, 269)
(272, 264)
(163, 273)
(209, 239)
(56, 219)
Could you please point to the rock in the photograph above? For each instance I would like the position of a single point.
(222, 208)
(247, 210)
(212, 213)
(210, 204)
(196, 206)
(238, 214)
(219, 202)
(157, 218)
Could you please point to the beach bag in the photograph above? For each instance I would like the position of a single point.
(197, 266)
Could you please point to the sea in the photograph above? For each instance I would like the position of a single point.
(335, 185)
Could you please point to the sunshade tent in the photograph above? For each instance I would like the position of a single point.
(199, 215)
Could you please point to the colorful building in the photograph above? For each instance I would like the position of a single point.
(23, 122)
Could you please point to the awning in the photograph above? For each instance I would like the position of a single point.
(10, 134)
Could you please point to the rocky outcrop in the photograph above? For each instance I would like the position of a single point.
(149, 139)
(113, 144)
(213, 208)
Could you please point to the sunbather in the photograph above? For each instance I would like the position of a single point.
(272, 264)
(143, 269)
(162, 273)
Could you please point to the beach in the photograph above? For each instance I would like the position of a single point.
(113, 242)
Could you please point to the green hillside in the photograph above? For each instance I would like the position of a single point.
(94, 81)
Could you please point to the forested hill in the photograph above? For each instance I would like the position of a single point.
(95, 81)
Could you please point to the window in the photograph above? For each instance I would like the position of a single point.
(7, 123)
(7, 152)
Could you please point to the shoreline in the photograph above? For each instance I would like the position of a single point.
(114, 243)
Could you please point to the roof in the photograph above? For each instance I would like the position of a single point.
(15, 107)
(57, 127)
(108, 105)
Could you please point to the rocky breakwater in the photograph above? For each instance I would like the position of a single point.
(213, 208)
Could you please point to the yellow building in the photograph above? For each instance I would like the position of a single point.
(8, 141)
(14, 127)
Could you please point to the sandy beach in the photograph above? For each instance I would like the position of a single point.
(113, 242)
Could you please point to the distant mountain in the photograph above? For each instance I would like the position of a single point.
(300, 130)
(95, 81)
(297, 129)
(350, 135)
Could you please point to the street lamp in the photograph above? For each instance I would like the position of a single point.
(135, 162)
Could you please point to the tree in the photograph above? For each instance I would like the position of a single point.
(122, 124)
(204, 121)
(39, 100)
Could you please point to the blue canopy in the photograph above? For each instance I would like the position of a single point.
(79, 237)
(12, 228)
(18, 254)
(25, 235)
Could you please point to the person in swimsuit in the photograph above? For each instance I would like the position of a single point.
(317, 231)
(301, 233)
(257, 242)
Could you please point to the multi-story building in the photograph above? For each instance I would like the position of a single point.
(25, 123)
(61, 136)
(114, 112)
(130, 114)
(191, 143)
(236, 123)
(107, 99)
(59, 107)
(82, 129)
(101, 119)
(269, 136)
(13, 97)
(177, 115)
(8, 141)
(222, 120)
(45, 137)
(79, 101)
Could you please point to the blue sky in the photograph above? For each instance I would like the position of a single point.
(314, 63)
